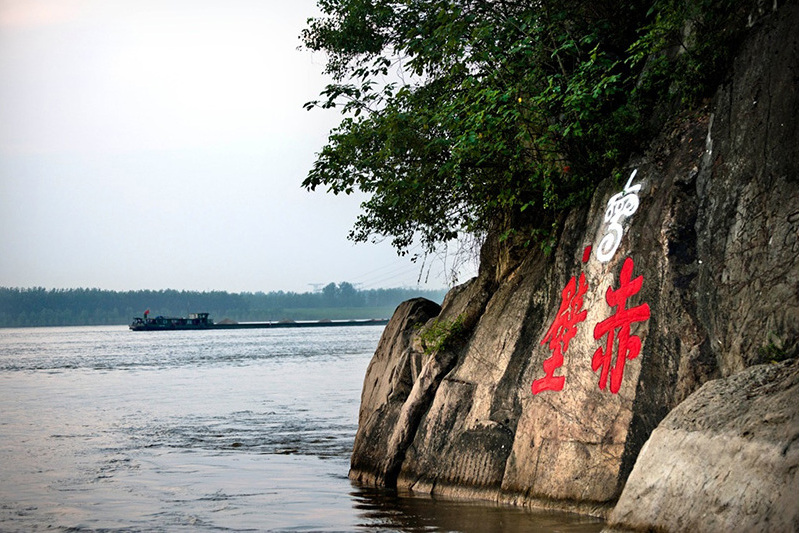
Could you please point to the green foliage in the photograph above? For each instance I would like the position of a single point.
(470, 116)
(442, 334)
(690, 45)
(491, 118)
(774, 349)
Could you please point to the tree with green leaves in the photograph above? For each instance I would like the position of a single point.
(470, 116)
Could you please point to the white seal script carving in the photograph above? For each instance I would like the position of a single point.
(621, 205)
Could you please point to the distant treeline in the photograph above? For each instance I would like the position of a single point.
(78, 307)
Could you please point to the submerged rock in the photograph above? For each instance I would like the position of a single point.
(724, 460)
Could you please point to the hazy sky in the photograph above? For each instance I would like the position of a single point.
(151, 144)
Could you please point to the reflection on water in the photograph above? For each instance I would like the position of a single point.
(384, 509)
(103, 429)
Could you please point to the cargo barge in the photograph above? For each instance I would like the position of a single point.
(202, 321)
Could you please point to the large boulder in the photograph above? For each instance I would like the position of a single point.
(725, 460)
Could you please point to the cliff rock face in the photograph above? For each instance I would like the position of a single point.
(553, 371)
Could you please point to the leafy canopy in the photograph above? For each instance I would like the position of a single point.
(465, 116)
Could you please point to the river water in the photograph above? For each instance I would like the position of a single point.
(104, 429)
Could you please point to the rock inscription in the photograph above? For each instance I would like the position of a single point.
(620, 206)
(616, 327)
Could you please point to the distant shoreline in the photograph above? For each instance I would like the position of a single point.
(31, 307)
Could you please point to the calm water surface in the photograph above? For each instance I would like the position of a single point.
(104, 429)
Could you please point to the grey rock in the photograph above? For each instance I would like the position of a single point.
(725, 460)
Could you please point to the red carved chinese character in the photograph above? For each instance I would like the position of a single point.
(561, 332)
(629, 345)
